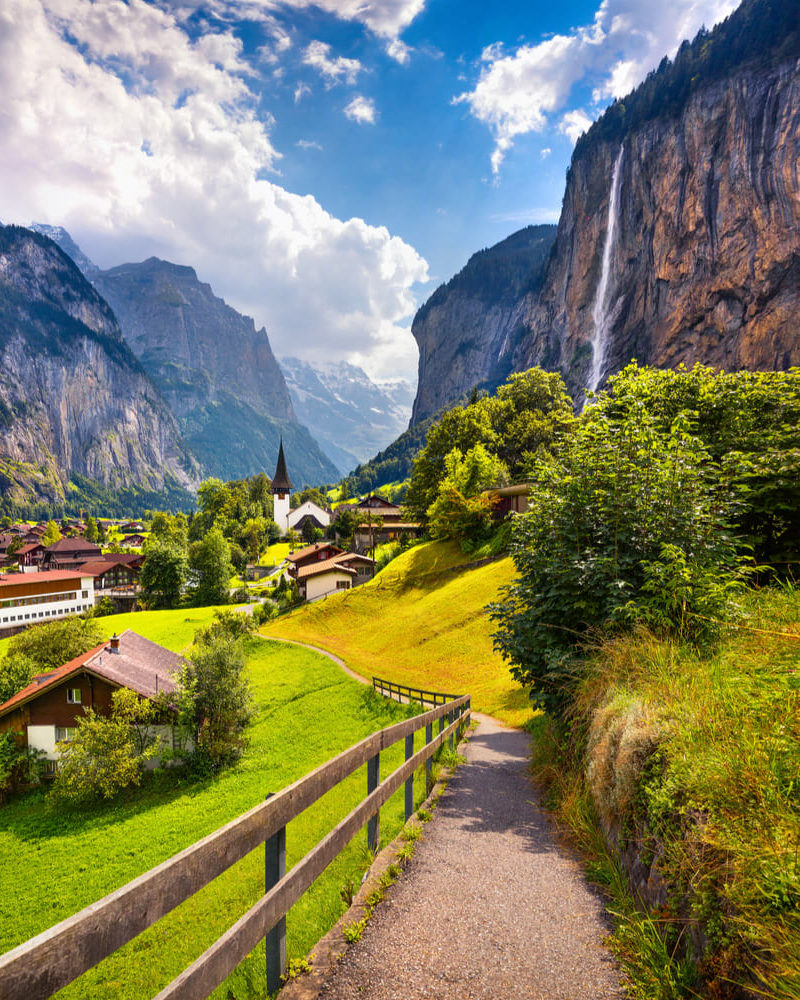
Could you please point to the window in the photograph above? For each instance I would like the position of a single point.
(342, 584)
(65, 733)
(74, 696)
(84, 593)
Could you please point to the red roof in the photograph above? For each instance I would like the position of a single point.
(141, 665)
(78, 544)
(309, 550)
(49, 576)
(96, 567)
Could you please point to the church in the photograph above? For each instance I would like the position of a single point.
(286, 518)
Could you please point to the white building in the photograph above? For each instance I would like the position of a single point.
(281, 488)
(319, 517)
(33, 598)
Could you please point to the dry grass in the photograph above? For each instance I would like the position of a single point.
(420, 622)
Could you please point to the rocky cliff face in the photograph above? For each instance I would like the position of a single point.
(216, 371)
(703, 263)
(469, 329)
(73, 398)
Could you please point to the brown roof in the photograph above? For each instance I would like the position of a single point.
(96, 567)
(349, 557)
(388, 524)
(141, 665)
(28, 548)
(309, 550)
(325, 566)
(78, 544)
(15, 579)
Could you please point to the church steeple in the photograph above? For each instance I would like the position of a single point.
(281, 483)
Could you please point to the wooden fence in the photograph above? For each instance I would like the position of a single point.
(39, 967)
(400, 692)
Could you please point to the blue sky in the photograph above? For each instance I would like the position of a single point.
(323, 165)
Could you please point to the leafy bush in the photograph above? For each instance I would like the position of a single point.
(624, 526)
(51, 644)
(230, 625)
(461, 509)
(106, 754)
(19, 764)
(16, 672)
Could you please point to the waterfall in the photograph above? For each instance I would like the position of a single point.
(602, 314)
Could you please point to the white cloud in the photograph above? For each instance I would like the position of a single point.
(574, 124)
(518, 93)
(141, 141)
(317, 54)
(386, 18)
(300, 91)
(399, 51)
(308, 144)
(544, 153)
(361, 110)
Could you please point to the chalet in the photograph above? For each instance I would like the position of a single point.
(30, 556)
(510, 500)
(324, 568)
(132, 542)
(316, 553)
(34, 534)
(6, 540)
(69, 553)
(112, 575)
(47, 710)
(32, 598)
(382, 522)
(131, 526)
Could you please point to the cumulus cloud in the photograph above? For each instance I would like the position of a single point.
(361, 110)
(518, 93)
(574, 124)
(336, 70)
(399, 51)
(308, 144)
(141, 140)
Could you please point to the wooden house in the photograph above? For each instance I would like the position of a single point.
(45, 713)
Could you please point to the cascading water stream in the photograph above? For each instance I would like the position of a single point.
(601, 313)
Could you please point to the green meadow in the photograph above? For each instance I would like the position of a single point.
(58, 862)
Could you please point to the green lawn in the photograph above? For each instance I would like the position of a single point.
(274, 555)
(308, 711)
(419, 623)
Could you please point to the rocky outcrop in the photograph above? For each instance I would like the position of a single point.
(73, 398)
(705, 261)
(469, 329)
(215, 369)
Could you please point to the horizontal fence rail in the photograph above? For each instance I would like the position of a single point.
(53, 959)
(401, 692)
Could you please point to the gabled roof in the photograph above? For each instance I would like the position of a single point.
(141, 665)
(281, 483)
(30, 547)
(96, 567)
(78, 544)
(325, 566)
(309, 550)
(49, 576)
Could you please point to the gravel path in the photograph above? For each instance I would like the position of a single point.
(490, 905)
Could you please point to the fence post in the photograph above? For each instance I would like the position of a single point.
(429, 761)
(410, 779)
(374, 825)
(451, 716)
(274, 870)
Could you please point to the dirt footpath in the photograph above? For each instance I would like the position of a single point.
(490, 907)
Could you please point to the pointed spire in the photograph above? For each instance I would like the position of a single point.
(281, 483)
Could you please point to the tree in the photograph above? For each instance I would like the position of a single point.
(210, 561)
(54, 643)
(91, 530)
(19, 763)
(221, 699)
(164, 573)
(16, 672)
(624, 526)
(462, 509)
(51, 535)
(106, 754)
(253, 536)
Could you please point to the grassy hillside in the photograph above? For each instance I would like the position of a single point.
(308, 711)
(690, 762)
(420, 623)
(173, 629)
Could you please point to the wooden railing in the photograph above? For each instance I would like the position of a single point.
(39, 967)
(403, 693)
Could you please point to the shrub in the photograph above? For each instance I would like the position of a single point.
(53, 643)
(106, 754)
(19, 764)
(624, 526)
(221, 702)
